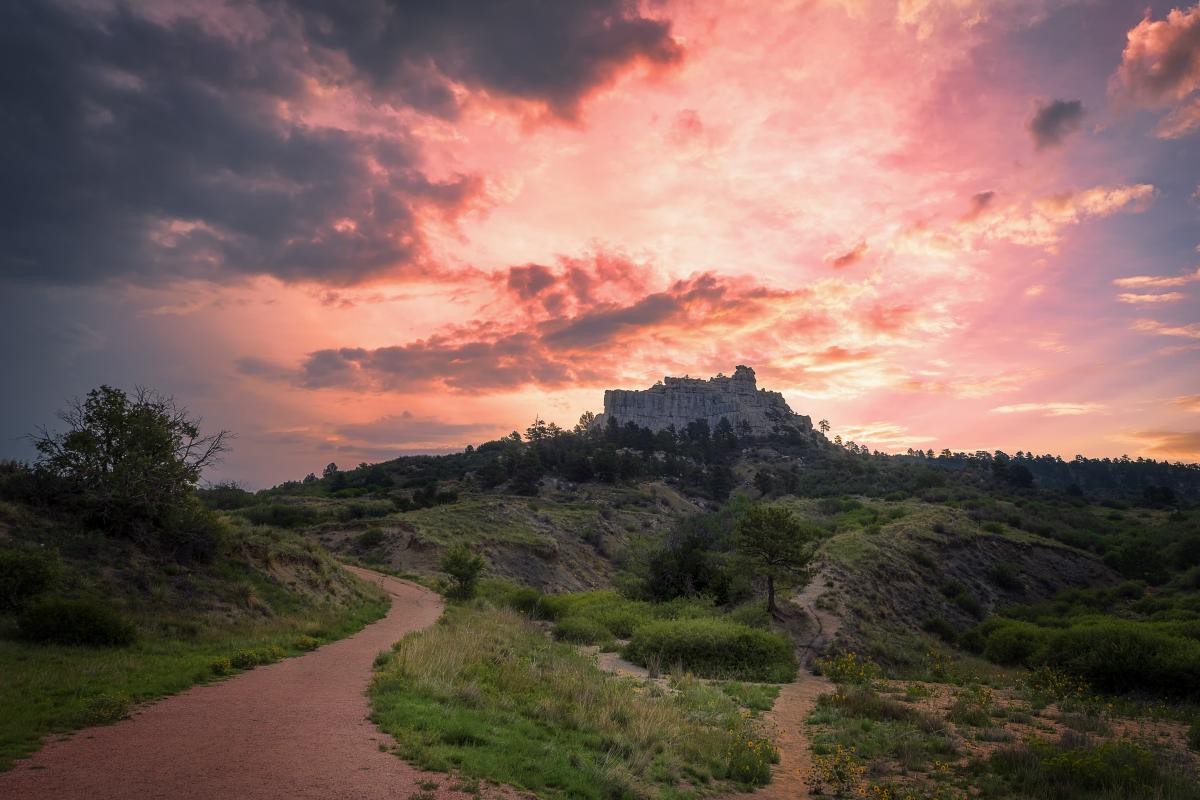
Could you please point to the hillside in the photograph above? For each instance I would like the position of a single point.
(92, 625)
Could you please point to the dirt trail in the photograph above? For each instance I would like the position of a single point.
(294, 729)
(788, 778)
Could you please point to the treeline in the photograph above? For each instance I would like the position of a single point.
(1136, 478)
(698, 459)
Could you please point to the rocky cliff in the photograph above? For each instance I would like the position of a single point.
(679, 401)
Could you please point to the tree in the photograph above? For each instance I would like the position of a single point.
(823, 425)
(464, 566)
(131, 462)
(330, 470)
(776, 543)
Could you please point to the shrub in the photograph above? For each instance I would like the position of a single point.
(581, 630)
(221, 666)
(79, 622)
(1014, 643)
(1121, 656)
(104, 709)
(525, 599)
(465, 567)
(25, 573)
(750, 759)
(244, 659)
(715, 648)
(1076, 769)
(849, 668)
(940, 628)
(1004, 575)
(282, 515)
(371, 537)
(308, 643)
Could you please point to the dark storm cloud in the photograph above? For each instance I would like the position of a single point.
(147, 149)
(549, 52)
(1053, 122)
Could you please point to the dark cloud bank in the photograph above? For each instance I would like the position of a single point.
(154, 148)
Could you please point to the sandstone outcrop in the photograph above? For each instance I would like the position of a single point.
(679, 401)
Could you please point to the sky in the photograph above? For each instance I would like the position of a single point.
(351, 231)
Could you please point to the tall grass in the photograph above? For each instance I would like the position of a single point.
(487, 694)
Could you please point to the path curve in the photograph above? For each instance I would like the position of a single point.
(294, 729)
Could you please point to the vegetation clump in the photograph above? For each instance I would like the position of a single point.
(488, 695)
(75, 622)
(715, 648)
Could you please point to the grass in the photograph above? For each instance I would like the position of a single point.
(487, 695)
(49, 689)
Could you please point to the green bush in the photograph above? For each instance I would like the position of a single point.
(1076, 769)
(221, 666)
(465, 567)
(282, 515)
(308, 643)
(25, 573)
(616, 613)
(104, 709)
(371, 537)
(1014, 643)
(1004, 575)
(81, 622)
(244, 659)
(715, 648)
(1120, 656)
(504, 593)
(581, 630)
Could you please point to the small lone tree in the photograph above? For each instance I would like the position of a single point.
(465, 567)
(776, 543)
(130, 460)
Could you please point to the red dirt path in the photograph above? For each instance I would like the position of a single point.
(294, 729)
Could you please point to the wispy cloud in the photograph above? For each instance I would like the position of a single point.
(1189, 402)
(1166, 297)
(1157, 281)
(1191, 331)
(1051, 409)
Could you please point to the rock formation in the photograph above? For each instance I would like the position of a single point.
(678, 401)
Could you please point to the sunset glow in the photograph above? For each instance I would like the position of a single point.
(936, 223)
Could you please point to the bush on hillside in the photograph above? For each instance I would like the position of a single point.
(617, 614)
(715, 648)
(282, 515)
(581, 630)
(464, 566)
(79, 622)
(24, 574)
(1121, 656)
(525, 599)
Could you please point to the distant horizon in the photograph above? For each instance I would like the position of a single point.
(343, 237)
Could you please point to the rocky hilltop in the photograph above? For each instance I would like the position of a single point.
(679, 401)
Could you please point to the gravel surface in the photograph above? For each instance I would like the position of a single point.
(294, 729)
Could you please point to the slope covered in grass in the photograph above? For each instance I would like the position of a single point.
(269, 594)
(489, 695)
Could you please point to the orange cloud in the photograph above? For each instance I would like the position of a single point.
(1157, 282)
(1191, 331)
(1160, 66)
(1166, 297)
(1050, 409)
